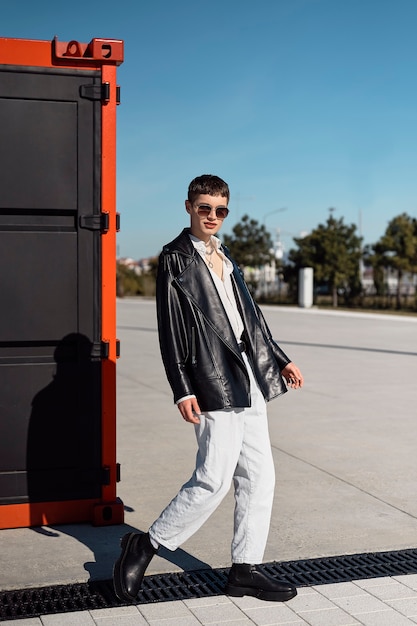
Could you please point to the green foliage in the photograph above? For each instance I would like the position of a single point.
(250, 246)
(397, 250)
(129, 283)
(153, 264)
(333, 250)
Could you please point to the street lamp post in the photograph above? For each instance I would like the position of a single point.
(284, 208)
(265, 288)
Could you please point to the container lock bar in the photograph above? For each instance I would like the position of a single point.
(100, 350)
(95, 222)
(96, 92)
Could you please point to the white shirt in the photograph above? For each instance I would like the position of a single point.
(224, 286)
(224, 289)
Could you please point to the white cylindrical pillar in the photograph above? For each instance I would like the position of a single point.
(305, 287)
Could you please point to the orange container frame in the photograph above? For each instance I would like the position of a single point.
(103, 55)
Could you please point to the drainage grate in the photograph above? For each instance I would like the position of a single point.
(24, 603)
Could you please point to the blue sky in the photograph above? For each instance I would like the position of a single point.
(297, 104)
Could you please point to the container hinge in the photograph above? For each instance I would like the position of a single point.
(95, 222)
(96, 92)
(117, 94)
(118, 473)
(105, 475)
(100, 350)
(117, 222)
(117, 348)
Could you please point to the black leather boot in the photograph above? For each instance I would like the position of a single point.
(250, 580)
(129, 569)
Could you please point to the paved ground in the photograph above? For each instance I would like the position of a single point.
(345, 453)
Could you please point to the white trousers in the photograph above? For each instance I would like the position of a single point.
(232, 445)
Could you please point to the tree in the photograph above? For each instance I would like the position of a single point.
(397, 249)
(250, 245)
(128, 282)
(371, 259)
(333, 250)
(131, 283)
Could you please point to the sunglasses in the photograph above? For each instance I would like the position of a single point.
(204, 210)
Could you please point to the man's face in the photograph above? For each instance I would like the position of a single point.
(207, 215)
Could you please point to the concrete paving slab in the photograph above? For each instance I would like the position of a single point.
(322, 605)
(344, 449)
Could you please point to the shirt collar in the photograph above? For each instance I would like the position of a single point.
(200, 246)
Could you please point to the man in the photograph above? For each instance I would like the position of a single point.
(223, 366)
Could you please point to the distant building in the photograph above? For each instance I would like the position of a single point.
(139, 267)
(408, 282)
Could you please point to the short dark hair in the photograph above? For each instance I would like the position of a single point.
(207, 184)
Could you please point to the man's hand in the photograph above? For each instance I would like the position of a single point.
(293, 376)
(190, 410)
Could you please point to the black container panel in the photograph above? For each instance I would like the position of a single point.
(42, 288)
(50, 376)
(40, 158)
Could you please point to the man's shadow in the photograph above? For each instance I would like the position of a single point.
(63, 455)
(63, 451)
(104, 543)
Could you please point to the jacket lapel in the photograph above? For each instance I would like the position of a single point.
(197, 284)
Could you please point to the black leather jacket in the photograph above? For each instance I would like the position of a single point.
(199, 349)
